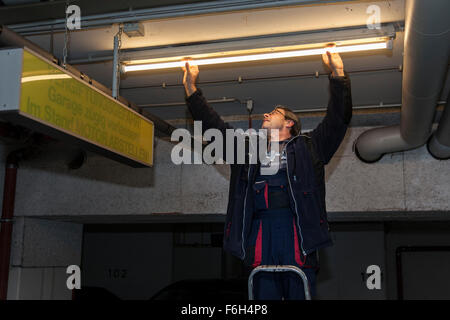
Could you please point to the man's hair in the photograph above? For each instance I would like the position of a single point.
(290, 115)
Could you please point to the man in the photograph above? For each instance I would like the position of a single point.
(280, 219)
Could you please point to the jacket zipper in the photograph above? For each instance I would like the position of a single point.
(245, 206)
(292, 193)
(245, 202)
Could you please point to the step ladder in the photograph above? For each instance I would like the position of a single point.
(278, 268)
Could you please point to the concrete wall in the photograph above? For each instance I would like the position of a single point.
(403, 181)
(425, 273)
(136, 261)
(41, 249)
(343, 266)
(41, 252)
(131, 265)
(165, 253)
(410, 184)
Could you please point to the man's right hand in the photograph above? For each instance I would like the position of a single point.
(189, 78)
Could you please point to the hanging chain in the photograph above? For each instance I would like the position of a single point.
(119, 46)
(66, 37)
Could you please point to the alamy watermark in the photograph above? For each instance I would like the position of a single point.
(374, 21)
(236, 146)
(74, 280)
(73, 14)
(374, 279)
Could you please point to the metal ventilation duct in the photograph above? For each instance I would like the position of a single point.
(439, 143)
(426, 54)
(18, 2)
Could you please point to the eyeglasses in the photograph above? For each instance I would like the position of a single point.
(285, 116)
(276, 110)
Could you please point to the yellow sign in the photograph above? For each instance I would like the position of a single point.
(53, 97)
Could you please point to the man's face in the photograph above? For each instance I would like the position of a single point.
(274, 120)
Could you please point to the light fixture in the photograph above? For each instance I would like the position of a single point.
(133, 30)
(45, 77)
(265, 48)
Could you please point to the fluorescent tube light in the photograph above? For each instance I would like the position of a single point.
(256, 57)
(45, 77)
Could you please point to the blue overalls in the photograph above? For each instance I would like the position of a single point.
(274, 240)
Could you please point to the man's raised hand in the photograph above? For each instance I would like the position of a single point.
(190, 77)
(333, 61)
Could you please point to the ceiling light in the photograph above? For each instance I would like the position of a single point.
(259, 49)
(255, 57)
(45, 77)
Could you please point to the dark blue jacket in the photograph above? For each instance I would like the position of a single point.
(306, 156)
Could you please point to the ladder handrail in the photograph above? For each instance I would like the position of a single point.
(278, 268)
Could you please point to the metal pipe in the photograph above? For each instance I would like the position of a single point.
(115, 74)
(9, 193)
(173, 104)
(321, 109)
(439, 144)
(107, 19)
(317, 112)
(91, 59)
(427, 39)
(374, 106)
(303, 75)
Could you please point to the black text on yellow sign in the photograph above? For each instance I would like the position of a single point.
(51, 96)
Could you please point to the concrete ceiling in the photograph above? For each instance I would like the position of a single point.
(227, 25)
(375, 75)
(21, 11)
